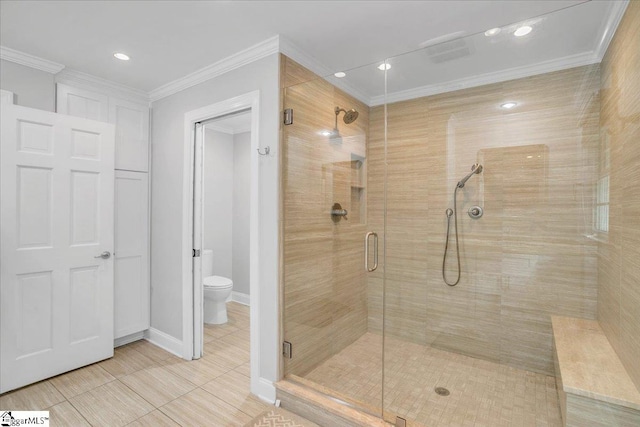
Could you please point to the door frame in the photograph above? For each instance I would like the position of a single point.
(191, 305)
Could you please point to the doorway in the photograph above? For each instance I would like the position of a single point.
(243, 114)
(225, 208)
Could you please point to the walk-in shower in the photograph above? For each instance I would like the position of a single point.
(475, 169)
(392, 341)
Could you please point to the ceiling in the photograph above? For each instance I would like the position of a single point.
(170, 39)
(562, 39)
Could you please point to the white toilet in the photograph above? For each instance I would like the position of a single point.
(216, 291)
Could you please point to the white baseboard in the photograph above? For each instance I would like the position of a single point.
(128, 339)
(240, 298)
(164, 341)
(265, 390)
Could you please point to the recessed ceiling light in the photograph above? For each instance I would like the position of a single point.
(384, 66)
(492, 32)
(522, 31)
(121, 56)
(508, 105)
(340, 74)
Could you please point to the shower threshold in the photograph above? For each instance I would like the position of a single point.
(321, 408)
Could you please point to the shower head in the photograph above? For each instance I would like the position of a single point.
(476, 168)
(350, 116)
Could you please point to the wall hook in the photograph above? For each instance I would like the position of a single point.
(267, 150)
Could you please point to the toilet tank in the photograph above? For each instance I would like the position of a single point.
(207, 263)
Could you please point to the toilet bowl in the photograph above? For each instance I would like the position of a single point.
(217, 290)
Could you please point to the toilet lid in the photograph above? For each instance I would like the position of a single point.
(217, 282)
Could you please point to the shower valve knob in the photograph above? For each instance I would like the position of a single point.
(475, 212)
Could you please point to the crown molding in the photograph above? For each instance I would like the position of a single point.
(616, 12)
(290, 49)
(91, 82)
(30, 60)
(564, 63)
(237, 60)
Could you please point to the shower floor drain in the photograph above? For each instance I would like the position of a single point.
(442, 391)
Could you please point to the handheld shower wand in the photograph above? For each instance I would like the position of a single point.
(476, 168)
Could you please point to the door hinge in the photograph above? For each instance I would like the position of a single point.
(196, 253)
(287, 349)
(288, 116)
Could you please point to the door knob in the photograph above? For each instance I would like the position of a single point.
(104, 255)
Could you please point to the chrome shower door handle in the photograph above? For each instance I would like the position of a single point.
(375, 251)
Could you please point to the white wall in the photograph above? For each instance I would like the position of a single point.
(32, 88)
(227, 174)
(218, 200)
(241, 188)
(166, 208)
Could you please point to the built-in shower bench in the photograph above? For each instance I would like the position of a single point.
(594, 388)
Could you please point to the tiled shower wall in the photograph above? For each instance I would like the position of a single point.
(619, 248)
(531, 255)
(325, 306)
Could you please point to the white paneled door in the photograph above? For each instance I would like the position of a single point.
(57, 195)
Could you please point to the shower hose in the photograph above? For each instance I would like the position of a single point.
(451, 213)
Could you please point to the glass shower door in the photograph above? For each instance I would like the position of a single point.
(480, 352)
(327, 299)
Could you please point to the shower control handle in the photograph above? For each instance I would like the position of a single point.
(375, 251)
(475, 212)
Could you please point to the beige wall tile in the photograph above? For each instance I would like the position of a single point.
(325, 300)
(528, 257)
(618, 252)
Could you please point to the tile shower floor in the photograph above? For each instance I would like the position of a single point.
(482, 393)
(143, 385)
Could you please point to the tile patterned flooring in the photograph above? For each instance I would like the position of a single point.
(143, 385)
(483, 393)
